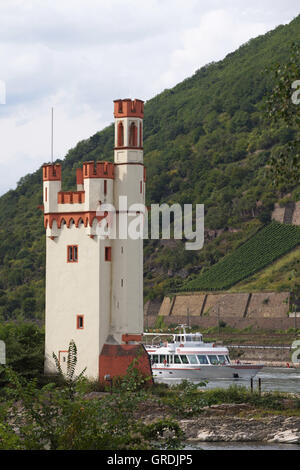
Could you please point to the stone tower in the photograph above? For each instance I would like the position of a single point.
(94, 284)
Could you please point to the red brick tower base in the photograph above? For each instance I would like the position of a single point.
(115, 359)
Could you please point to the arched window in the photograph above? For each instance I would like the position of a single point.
(133, 135)
(120, 135)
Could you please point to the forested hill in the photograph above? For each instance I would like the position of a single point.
(206, 141)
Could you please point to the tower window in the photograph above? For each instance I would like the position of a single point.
(46, 195)
(120, 136)
(72, 253)
(141, 135)
(122, 282)
(141, 187)
(80, 322)
(133, 135)
(107, 253)
(105, 187)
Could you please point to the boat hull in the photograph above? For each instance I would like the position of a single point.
(230, 371)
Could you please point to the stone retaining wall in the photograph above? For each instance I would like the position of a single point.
(279, 213)
(239, 310)
(296, 215)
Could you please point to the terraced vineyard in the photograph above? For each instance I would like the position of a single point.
(263, 248)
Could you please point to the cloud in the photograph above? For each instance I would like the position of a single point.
(217, 34)
(80, 55)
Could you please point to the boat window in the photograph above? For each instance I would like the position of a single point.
(222, 359)
(203, 359)
(193, 359)
(213, 359)
(170, 359)
(177, 359)
(162, 358)
(184, 359)
(154, 359)
(177, 339)
(188, 338)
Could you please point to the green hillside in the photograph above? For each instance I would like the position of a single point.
(206, 141)
(263, 248)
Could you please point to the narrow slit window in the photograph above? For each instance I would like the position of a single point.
(80, 322)
(107, 253)
(105, 187)
(46, 195)
(72, 253)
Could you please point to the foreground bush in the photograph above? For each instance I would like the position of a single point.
(37, 419)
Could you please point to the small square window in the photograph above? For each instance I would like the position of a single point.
(80, 323)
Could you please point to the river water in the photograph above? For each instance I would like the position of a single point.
(272, 379)
(279, 379)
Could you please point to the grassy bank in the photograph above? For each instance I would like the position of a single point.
(84, 415)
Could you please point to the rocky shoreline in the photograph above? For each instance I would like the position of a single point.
(232, 423)
(216, 425)
(228, 422)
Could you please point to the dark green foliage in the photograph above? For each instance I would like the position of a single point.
(24, 349)
(282, 109)
(267, 245)
(47, 419)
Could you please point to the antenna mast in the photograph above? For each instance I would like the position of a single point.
(52, 136)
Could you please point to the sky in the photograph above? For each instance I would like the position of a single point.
(77, 56)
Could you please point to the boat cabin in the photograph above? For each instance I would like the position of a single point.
(193, 359)
(191, 339)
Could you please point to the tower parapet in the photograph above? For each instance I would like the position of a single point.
(129, 108)
(98, 170)
(52, 172)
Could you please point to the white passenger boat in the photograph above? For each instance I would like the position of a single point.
(188, 357)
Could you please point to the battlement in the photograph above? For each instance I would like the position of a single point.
(100, 170)
(128, 108)
(52, 172)
(79, 176)
(71, 197)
